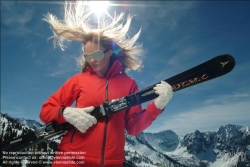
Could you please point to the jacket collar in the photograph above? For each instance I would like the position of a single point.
(114, 69)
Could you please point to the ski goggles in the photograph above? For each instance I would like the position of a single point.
(97, 55)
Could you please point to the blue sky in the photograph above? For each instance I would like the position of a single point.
(176, 36)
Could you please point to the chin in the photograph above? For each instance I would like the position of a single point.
(96, 69)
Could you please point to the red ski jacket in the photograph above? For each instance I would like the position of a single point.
(104, 142)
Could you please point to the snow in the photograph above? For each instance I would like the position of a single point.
(143, 164)
(226, 161)
(3, 121)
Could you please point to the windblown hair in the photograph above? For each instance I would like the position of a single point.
(111, 34)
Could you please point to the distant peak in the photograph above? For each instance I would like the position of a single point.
(6, 115)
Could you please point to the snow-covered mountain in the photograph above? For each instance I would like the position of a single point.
(229, 146)
(29, 123)
(10, 128)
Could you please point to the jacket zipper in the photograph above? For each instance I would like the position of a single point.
(73, 134)
(105, 128)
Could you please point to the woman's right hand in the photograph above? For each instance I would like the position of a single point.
(79, 117)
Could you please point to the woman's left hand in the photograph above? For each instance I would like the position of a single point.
(165, 92)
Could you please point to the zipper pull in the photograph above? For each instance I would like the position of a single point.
(107, 81)
(106, 89)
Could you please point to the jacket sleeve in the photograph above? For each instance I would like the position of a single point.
(63, 97)
(136, 119)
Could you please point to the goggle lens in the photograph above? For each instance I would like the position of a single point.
(97, 55)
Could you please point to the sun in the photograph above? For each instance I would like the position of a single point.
(98, 7)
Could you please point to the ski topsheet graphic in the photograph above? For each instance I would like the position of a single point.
(206, 71)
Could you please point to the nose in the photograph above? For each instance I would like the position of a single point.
(91, 60)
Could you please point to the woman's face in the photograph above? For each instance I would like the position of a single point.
(102, 65)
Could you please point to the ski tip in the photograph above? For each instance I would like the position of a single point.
(227, 62)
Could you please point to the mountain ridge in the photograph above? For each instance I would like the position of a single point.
(228, 146)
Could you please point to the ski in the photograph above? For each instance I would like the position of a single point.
(206, 71)
(216, 67)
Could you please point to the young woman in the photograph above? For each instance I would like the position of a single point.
(103, 78)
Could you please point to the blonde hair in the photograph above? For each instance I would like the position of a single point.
(76, 26)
